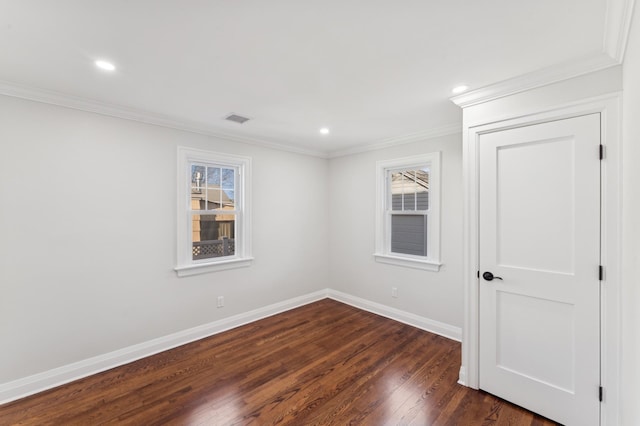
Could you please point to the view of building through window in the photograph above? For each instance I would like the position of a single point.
(409, 211)
(410, 190)
(213, 207)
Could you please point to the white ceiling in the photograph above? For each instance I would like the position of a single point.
(373, 71)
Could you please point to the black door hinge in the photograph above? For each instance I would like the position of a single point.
(600, 393)
(601, 273)
(478, 274)
(601, 151)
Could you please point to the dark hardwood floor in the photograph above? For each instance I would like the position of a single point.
(323, 363)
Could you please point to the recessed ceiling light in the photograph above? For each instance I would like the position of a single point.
(104, 65)
(324, 131)
(459, 89)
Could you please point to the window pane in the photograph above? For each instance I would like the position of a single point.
(397, 191)
(422, 199)
(409, 234)
(213, 176)
(396, 202)
(228, 178)
(214, 197)
(213, 189)
(229, 199)
(422, 189)
(213, 235)
(410, 190)
(198, 175)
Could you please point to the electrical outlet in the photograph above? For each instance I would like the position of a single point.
(220, 301)
(394, 291)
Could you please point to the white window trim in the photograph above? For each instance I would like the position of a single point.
(383, 252)
(186, 266)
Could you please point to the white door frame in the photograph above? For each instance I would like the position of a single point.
(609, 107)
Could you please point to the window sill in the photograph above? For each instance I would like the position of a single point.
(407, 262)
(203, 268)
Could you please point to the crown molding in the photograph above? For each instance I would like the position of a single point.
(617, 27)
(17, 90)
(616, 34)
(445, 130)
(542, 77)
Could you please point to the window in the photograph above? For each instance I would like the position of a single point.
(213, 211)
(408, 212)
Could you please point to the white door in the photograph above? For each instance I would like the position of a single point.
(539, 221)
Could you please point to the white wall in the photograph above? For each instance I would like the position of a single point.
(631, 230)
(88, 235)
(352, 192)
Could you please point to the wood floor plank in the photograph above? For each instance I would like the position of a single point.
(324, 363)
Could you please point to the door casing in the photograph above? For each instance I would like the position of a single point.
(609, 106)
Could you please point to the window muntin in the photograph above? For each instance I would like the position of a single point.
(407, 218)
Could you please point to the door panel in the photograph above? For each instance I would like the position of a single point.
(518, 316)
(540, 232)
(521, 199)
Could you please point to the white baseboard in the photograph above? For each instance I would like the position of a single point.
(30, 385)
(433, 326)
(462, 376)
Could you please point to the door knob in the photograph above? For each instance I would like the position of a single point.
(490, 277)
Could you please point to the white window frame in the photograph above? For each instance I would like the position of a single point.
(383, 253)
(242, 258)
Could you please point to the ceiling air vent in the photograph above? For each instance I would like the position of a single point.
(236, 118)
